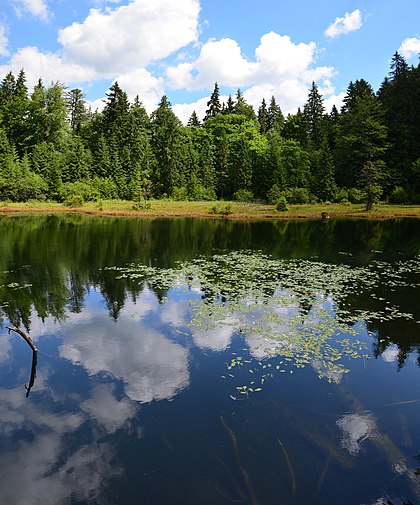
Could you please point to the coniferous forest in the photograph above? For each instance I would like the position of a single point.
(53, 147)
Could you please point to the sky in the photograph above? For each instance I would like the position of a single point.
(180, 48)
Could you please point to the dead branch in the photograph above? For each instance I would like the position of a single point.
(28, 340)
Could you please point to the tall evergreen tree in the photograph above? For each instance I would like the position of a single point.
(166, 146)
(361, 137)
(243, 108)
(263, 117)
(213, 104)
(275, 118)
(194, 121)
(400, 96)
(77, 109)
(313, 117)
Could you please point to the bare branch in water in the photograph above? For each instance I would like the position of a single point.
(29, 341)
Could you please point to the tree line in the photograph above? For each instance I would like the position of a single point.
(52, 146)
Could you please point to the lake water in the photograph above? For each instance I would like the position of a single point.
(190, 361)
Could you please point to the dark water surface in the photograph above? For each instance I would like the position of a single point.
(186, 362)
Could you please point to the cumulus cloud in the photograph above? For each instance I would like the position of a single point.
(131, 36)
(49, 66)
(151, 366)
(3, 41)
(280, 68)
(351, 22)
(142, 83)
(37, 8)
(410, 47)
(277, 59)
(355, 429)
(41, 470)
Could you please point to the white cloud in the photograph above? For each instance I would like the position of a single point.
(337, 100)
(281, 68)
(390, 354)
(3, 41)
(151, 366)
(349, 23)
(410, 47)
(50, 67)
(184, 110)
(131, 36)
(142, 83)
(356, 428)
(106, 410)
(37, 8)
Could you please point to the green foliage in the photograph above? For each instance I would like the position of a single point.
(371, 142)
(75, 193)
(297, 195)
(274, 194)
(281, 204)
(224, 210)
(180, 194)
(356, 195)
(398, 195)
(243, 195)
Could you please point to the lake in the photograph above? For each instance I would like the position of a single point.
(194, 361)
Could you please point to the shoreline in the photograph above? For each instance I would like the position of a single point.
(238, 210)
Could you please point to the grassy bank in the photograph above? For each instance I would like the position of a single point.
(230, 210)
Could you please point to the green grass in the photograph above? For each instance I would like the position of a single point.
(168, 208)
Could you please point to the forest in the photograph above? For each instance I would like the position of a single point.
(53, 147)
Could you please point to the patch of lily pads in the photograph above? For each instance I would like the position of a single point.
(291, 313)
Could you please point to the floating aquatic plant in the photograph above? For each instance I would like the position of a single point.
(291, 313)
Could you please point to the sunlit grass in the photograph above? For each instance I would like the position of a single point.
(169, 208)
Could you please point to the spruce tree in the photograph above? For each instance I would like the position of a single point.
(275, 118)
(213, 104)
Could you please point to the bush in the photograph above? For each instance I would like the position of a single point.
(243, 195)
(399, 195)
(281, 204)
(180, 194)
(297, 195)
(106, 187)
(342, 196)
(356, 195)
(75, 193)
(73, 201)
(273, 194)
(222, 210)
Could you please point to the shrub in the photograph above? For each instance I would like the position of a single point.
(274, 194)
(222, 210)
(106, 187)
(281, 204)
(243, 195)
(399, 195)
(297, 195)
(180, 194)
(342, 196)
(73, 201)
(78, 191)
(356, 195)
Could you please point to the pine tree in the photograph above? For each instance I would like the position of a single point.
(275, 118)
(313, 118)
(263, 117)
(77, 108)
(166, 145)
(213, 104)
(361, 138)
(243, 108)
(400, 96)
(194, 121)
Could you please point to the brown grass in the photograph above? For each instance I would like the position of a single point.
(167, 208)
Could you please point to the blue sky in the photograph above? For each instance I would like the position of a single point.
(182, 47)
